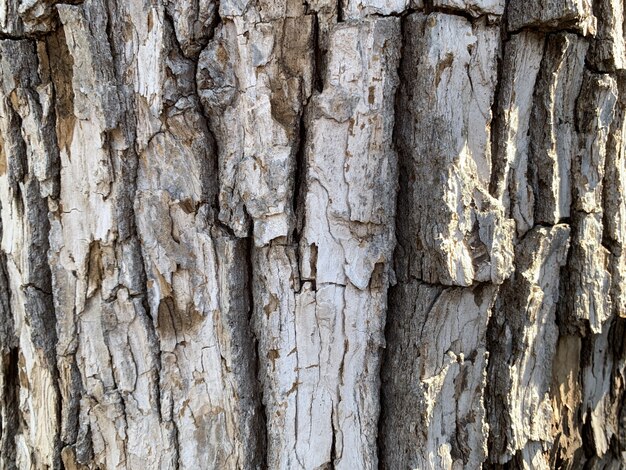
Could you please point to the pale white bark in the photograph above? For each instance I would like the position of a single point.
(279, 234)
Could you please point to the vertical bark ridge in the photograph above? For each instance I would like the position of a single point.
(451, 232)
(9, 377)
(30, 150)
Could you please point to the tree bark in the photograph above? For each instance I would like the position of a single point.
(288, 234)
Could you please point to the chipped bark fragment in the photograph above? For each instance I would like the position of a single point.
(552, 16)
(30, 18)
(472, 7)
(358, 8)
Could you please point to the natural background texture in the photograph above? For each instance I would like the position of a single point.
(288, 234)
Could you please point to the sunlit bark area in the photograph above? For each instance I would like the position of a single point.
(324, 234)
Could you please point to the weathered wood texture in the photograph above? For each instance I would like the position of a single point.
(288, 234)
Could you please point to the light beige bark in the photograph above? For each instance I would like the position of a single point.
(291, 234)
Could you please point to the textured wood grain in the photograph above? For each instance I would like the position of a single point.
(287, 234)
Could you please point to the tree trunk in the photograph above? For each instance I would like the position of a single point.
(288, 234)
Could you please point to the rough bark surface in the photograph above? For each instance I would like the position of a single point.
(289, 234)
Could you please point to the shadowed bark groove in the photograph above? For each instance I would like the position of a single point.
(286, 234)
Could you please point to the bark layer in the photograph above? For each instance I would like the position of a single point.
(304, 235)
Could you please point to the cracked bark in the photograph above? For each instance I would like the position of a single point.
(313, 234)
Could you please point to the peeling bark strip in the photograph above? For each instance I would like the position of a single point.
(287, 234)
